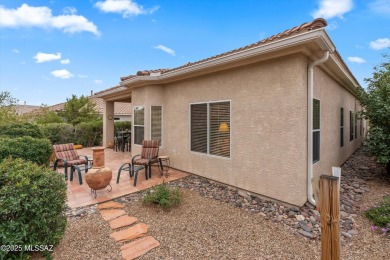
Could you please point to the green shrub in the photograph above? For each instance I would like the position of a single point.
(122, 125)
(32, 206)
(163, 196)
(59, 133)
(89, 133)
(28, 148)
(380, 216)
(20, 129)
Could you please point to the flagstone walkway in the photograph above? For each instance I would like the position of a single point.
(140, 242)
(80, 195)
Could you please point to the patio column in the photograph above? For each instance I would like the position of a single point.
(108, 122)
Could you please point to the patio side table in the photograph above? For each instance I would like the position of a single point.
(164, 164)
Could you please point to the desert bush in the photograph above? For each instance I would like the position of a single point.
(122, 125)
(380, 216)
(59, 133)
(89, 133)
(20, 129)
(37, 150)
(32, 206)
(163, 196)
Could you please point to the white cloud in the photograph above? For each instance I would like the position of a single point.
(380, 6)
(332, 8)
(98, 81)
(45, 57)
(66, 61)
(332, 26)
(15, 51)
(30, 16)
(165, 49)
(356, 60)
(380, 44)
(125, 7)
(82, 76)
(69, 10)
(62, 74)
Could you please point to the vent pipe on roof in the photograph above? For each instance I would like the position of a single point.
(310, 76)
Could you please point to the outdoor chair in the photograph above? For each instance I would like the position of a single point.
(67, 157)
(148, 156)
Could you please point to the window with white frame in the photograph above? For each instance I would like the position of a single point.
(139, 125)
(156, 123)
(210, 128)
(351, 121)
(316, 130)
(341, 127)
(356, 125)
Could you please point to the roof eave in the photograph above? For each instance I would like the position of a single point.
(317, 35)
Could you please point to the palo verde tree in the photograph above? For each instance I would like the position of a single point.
(376, 103)
(77, 110)
(7, 110)
(43, 115)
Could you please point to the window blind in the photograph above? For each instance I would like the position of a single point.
(156, 123)
(316, 130)
(199, 128)
(219, 137)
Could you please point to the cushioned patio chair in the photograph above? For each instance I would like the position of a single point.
(148, 156)
(67, 157)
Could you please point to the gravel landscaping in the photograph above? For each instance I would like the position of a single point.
(215, 222)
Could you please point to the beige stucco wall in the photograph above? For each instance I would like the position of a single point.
(268, 126)
(332, 97)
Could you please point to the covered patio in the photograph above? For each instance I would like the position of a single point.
(80, 195)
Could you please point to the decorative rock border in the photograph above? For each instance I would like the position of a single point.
(304, 221)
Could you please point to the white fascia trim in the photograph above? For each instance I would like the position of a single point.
(112, 91)
(343, 68)
(318, 34)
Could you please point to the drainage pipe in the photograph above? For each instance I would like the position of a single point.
(310, 72)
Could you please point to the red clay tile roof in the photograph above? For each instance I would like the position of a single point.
(305, 27)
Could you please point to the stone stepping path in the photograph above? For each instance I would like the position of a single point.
(111, 205)
(112, 211)
(131, 233)
(122, 221)
(139, 247)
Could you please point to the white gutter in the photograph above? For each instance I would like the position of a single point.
(310, 72)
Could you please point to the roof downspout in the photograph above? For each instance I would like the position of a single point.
(310, 72)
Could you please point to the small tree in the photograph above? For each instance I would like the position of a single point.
(43, 115)
(376, 103)
(77, 110)
(7, 110)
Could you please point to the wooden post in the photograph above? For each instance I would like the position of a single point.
(330, 217)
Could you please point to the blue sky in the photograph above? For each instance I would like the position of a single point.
(50, 50)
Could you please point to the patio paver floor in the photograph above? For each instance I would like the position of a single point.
(80, 195)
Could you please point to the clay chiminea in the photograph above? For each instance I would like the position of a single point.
(99, 176)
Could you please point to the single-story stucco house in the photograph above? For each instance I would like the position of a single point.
(268, 118)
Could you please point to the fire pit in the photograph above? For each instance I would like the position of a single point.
(99, 177)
